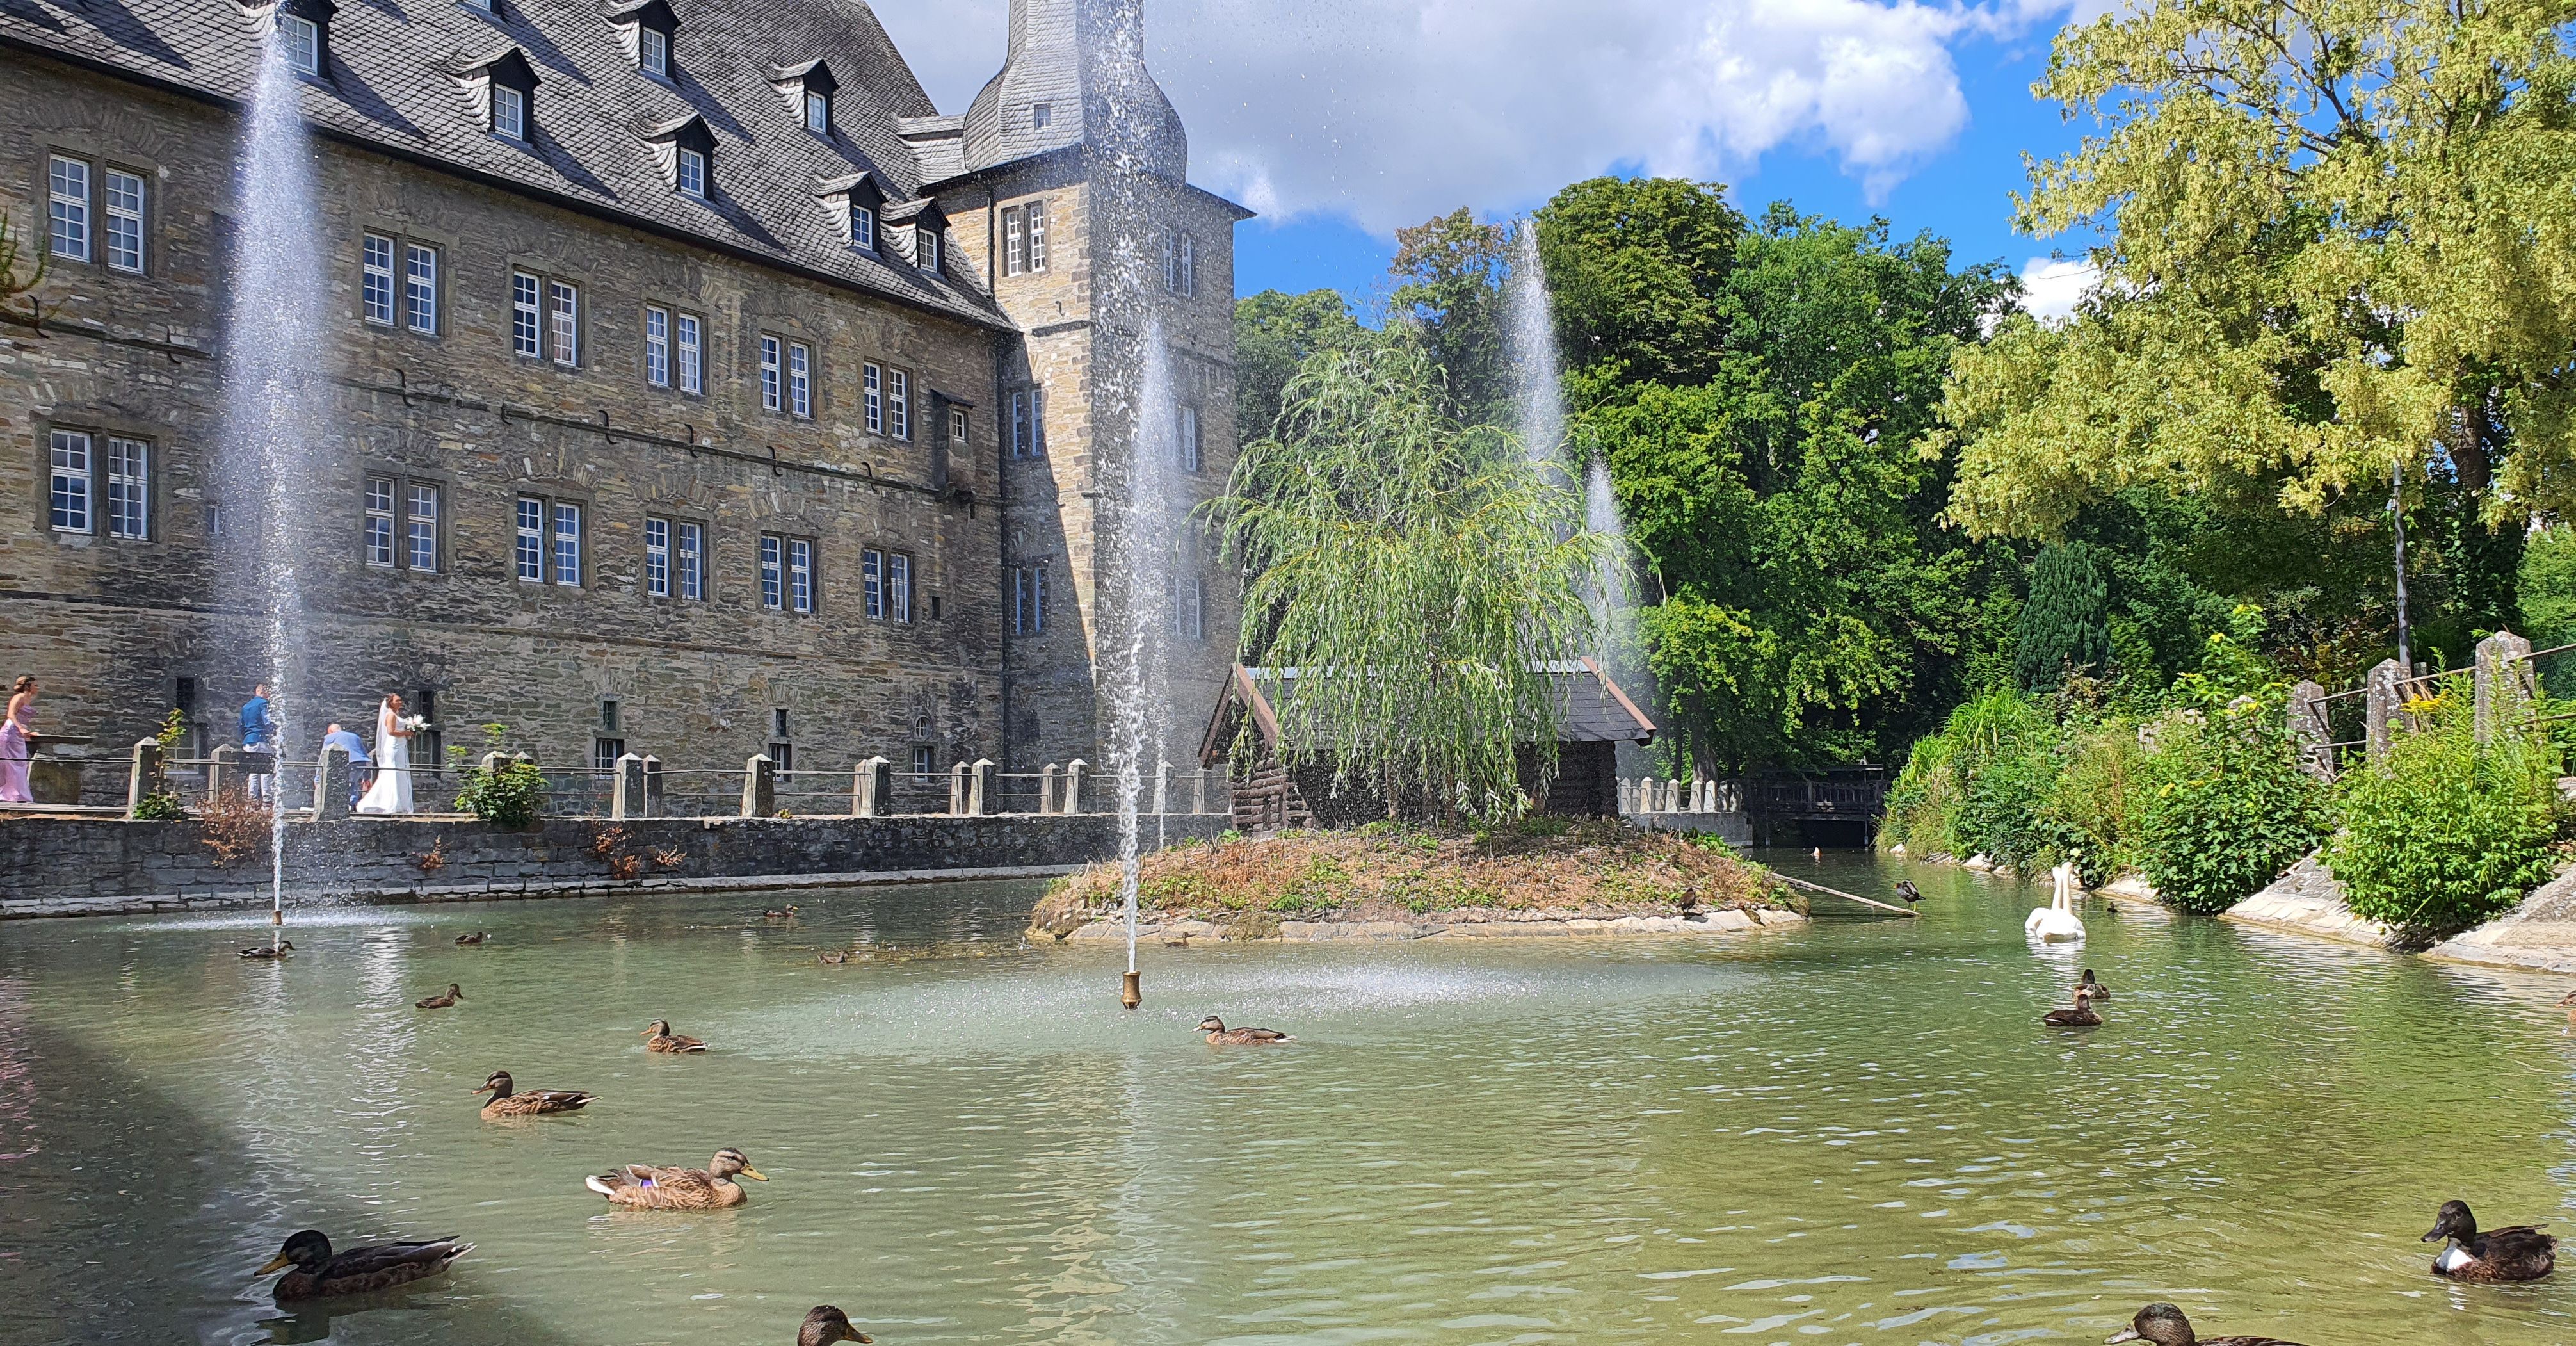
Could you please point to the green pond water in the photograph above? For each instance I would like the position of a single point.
(1856, 1133)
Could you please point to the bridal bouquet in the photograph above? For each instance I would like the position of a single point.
(411, 723)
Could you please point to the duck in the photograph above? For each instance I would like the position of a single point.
(2566, 1002)
(2082, 1016)
(507, 1102)
(1176, 941)
(826, 1325)
(660, 1038)
(780, 913)
(2099, 993)
(833, 957)
(645, 1187)
(1907, 893)
(1222, 1036)
(278, 950)
(440, 1001)
(2164, 1325)
(476, 938)
(318, 1272)
(2521, 1253)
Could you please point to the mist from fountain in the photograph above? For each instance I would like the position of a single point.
(274, 364)
(1151, 515)
(1532, 334)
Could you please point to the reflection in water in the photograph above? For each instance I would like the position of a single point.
(1852, 1134)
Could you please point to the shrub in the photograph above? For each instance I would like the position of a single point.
(2088, 809)
(2446, 832)
(2065, 627)
(2221, 806)
(511, 795)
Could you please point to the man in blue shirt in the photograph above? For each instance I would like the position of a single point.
(361, 766)
(259, 744)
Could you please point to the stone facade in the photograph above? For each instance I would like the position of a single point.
(122, 628)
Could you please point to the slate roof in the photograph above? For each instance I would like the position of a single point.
(388, 84)
(1590, 708)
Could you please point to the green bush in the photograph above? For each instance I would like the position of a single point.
(2065, 627)
(2221, 806)
(512, 795)
(2089, 809)
(2446, 832)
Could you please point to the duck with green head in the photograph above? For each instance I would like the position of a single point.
(319, 1272)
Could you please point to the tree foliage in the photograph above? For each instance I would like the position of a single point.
(2446, 832)
(1274, 333)
(1420, 571)
(2065, 625)
(1449, 298)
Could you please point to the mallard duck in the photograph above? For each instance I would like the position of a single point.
(476, 938)
(1223, 1036)
(647, 1188)
(2521, 1253)
(1907, 893)
(833, 957)
(378, 1266)
(826, 1325)
(2164, 1325)
(508, 1103)
(278, 950)
(2101, 994)
(440, 1001)
(660, 1038)
(2082, 1016)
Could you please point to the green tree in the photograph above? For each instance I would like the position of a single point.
(1637, 271)
(2065, 626)
(1274, 333)
(1421, 570)
(1449, 298)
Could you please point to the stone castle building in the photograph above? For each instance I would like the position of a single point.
(696, 387)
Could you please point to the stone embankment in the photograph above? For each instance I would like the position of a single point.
(1454, 925)
(2309, 901)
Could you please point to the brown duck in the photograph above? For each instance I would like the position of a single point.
(826, 1325)
(833, 958)
(645, 1187)
(2082, 1016)
(2521, 1253)
(476, 938)
(440, 1001)
(2164, 1325)
(378, 1266)
(660, 1038)
(2101, 994)
(278, 950)
(1223, 1036)
(507, 1102)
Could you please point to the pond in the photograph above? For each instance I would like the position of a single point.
(1854, 1133)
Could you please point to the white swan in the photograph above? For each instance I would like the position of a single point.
(2056, 923)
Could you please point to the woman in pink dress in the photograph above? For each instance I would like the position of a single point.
(14, 749)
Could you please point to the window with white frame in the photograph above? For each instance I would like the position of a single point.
(872, 397)
(376, 278)
(863, 227)
(1180, 263)
(530, 553)
(124, 221)
(129, 488)
(1185, 434)
(1015, 240)
(653, 51)
(1189, 266)
(691, 560)
(527, 323)
(899, 404)
(957, 427)
(693, 173)
(563, 306)
(923, 764)
(657, 557)
(800, 574)
(1028, 423)
(380, 521)
(800, 380)
(1041, 116)
(818, 112)
(872, 583)
(925, 246)
(67, 195)
(898, 580)
(420, 527)
(301, 40)
(771, 358)
(509, 111)
(657, 346)
(70, 508)
(1037, 235)
(693, 368)
(1189, 607)
(567, 544)
(420, 288)
(773, 578)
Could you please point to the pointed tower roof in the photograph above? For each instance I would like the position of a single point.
(1075, 74)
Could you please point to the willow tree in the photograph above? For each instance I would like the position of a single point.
(1418, 574)
(2338, 244)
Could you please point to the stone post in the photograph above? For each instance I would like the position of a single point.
(979, 789)
(1046, 788)
(873, 789)
(626, 793)
(759, 786)
(2382, 702)
(1673, 795)
(1198, 791)
(653, 806)
(331, 784)
(145, 771)
(1074, 773)
(2308, 730)
(223, 767)
(2503, 681)
(957, 790)
(1162, 787)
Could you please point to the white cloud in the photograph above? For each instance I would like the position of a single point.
(2051, 287)
(1389, 111)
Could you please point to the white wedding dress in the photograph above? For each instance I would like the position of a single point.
(392, 791)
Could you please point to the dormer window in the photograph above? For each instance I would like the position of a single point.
(818, 112)
(854, 206)
(648, 28)
(925, 245)
(509, 112)
(686, 150)
(302, 39)
(655, 56)
(693, 173)
(500, 88)
(301, 29)
(807, 89)
(863, 227)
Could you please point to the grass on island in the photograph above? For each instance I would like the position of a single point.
(1386, 872)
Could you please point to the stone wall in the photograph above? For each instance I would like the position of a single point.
(94, 866)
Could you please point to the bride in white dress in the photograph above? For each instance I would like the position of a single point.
(391, 792)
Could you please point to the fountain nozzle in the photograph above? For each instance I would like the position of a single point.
(1131, 990)
(276, 917)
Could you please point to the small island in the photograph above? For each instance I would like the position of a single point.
(1538, 877)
